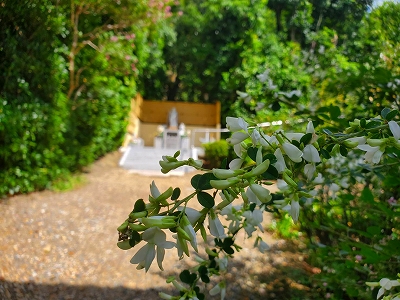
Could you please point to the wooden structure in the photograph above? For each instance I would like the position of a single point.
(147, 116)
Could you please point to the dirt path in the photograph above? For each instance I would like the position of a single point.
(63, 246)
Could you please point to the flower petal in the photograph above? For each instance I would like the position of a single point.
(310, 154)
(160, 257)
(293, 152)
(395, 129)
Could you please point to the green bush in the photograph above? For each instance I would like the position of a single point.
(44, 135)
(33, 107)
(216, 152)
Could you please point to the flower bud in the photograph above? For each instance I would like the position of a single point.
(167, 166)
(163, 295)
(262, 193)
(136, 215)
(375, 142)
(159, 221)
(350, 144)
(258, 170)
(123, 227)
(223, 173)
(137, 227)
(224, 184)
(289, 180)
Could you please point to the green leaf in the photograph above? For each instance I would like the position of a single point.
(195, 181)
(139, 206)
(367, 196)
(204, 181)
(372, 124)
(334, 111)
(124, 245)
(203, 270)
(228, 242)
(391, 115)
(228, 250)
(271, 157)
(385, 112)
(205, 278)
(374, 230)
(224, 163)
(175, 194)
(271, 173)
(186, 277)
(363, 123)
(252, 153)
(206, 199)
(343, 150)
(275, 106)
(305, 139)
(325, 154)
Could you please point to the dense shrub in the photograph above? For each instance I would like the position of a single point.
(216, 152)
(44, 134)
(33, 107)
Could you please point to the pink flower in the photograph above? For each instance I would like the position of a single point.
(114, 38)
(358, 257)
(392, 201)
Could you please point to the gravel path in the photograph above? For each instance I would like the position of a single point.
(63, 245)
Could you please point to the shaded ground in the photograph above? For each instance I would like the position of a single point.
(63, 246)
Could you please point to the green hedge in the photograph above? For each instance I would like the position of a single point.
(44, 135)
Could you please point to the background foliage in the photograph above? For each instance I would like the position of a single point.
(69, 69)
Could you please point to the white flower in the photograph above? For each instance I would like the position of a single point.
(252, 197)
(310, 129)
(188, 228)
(265, 139)
(192, 214)
(216, 228)
(294, 136)
(319, 179)
(236, 163)
(292, 151)
(237, 137)
(263, 76)
(253, 219)
(261, 245)
(244, 96)
(222, 263)
(154, 190)
(334, 188)
(358, 140)
(373, 154)
(262, 193)
(386, 284)
(219, 288)
(282, 185)
(145, 256)
(239, 150)
(395, 129)
(309, 170)
(280, 164)
(310, 154)
(255, 137)
(294, 210)
(234, 215)
(236, 124)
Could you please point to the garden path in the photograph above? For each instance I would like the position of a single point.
(62, 245)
